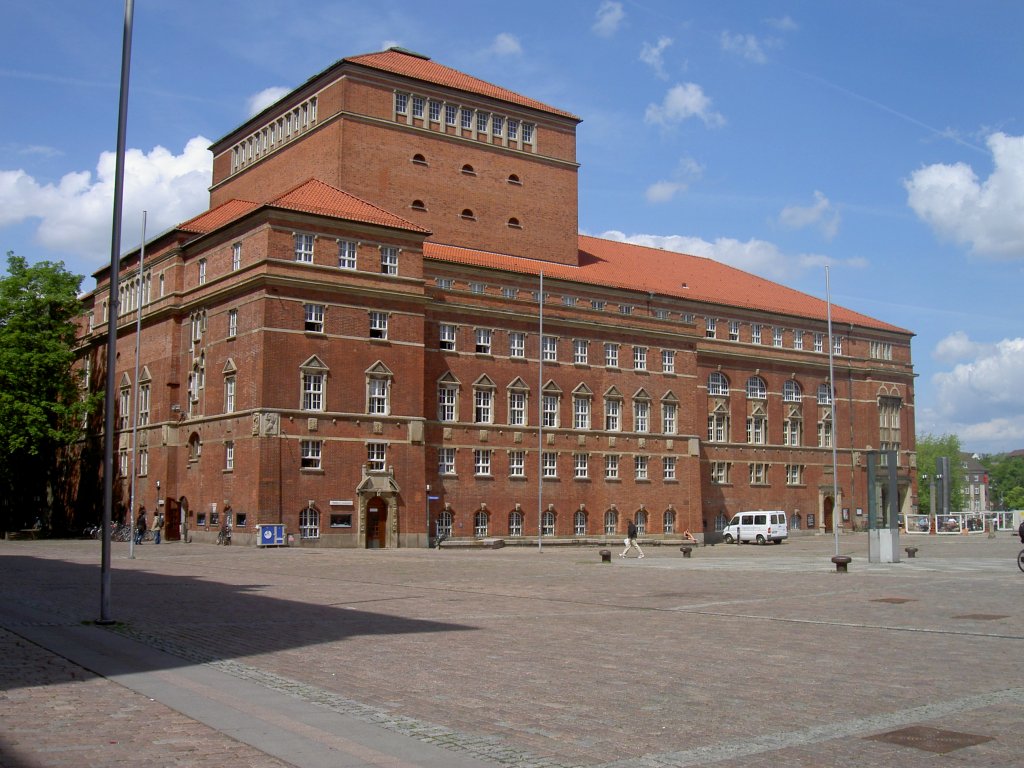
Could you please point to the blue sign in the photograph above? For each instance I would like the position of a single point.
(433, 498)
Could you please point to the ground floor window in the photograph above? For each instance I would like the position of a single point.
(721, 521)
(309, 523)
(641, 523)
(515, 524)
(611, 520)
(669, 521)
(480, 524)
(444, 524)
(547, 524)
(579, 523)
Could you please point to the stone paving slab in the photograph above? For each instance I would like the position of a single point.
(739, 655)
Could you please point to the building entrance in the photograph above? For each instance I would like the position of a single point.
(376, 523)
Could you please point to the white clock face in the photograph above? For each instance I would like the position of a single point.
(268, 534)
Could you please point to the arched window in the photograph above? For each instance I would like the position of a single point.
(824, 394)
(756, 388)
(468, 170)
(480, 523)
(579, 522)
(547, 523)
(467, 214)
(418, 205)
(513, 179)
(641, 522)
(514, 223)
(419, 159)
(668, 521)
(444, 523)
(791, 392)
(515, 523)
(721, 521)
(718, 384)
(611, 521)
(309, 523)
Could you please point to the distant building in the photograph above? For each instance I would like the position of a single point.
(976, 496)
(350, 342)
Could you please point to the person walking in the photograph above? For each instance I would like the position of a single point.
(631, 533)
(140, 527)
(158, 526)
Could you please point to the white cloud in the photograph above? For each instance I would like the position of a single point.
(784, 24)
(986, 215)
(260, 101)
(663, 191)
(956, 347)
(683, 101)
(609, 17)
(506, 45)
(652, 56)
(757, 256)
(821, 215)
(747, 46)
(75, 214)
(976, 399)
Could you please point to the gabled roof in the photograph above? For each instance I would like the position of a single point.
(399, 61)
(666, 273)
(311, 196)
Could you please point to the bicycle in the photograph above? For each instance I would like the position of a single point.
(224, 537)
(1020, 559)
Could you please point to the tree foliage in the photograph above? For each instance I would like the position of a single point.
(1006, 480)
(41, 408)
(929, 448)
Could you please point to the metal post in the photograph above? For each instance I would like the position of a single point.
(115, 262)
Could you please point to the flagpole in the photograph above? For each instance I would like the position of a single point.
(112, 302)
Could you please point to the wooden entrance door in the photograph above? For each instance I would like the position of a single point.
(827, 512)
(376, 524)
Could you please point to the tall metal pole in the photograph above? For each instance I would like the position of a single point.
(540, 418)
(835, 433)
(135, 386)
(115, 261)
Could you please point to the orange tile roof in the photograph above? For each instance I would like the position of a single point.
(405, 63)
(314, 196)
(614, 264)
(215, 218)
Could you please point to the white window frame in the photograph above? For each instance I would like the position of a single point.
(388, 260)
(314, 318)
(611, 355)
(517, 463)
(580, 351)
(304, 245)
(612, 414)
(482, 462)
(446, 461)
(549, 464)
(483, 405)
(376, 457)
(581, 412)
(640, 467)
(447, 336)
(517, 344)
(378, 325)
(447, 402)
(483, 339)
(229, 394)
(347, 254)
(581, 466)
(639, 358)
(668, 470)
(549, 349)
(312, 454)
(668, 361)
(611, 466)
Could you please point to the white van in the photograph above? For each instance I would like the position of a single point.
(759, 526)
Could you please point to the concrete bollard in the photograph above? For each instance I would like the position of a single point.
(911, 551)
(686, 550)
(606, 555)
(841, 562)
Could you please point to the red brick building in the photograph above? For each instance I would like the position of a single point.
(351, 342)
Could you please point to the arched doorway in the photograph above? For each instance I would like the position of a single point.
(376, 523)
(827, 508)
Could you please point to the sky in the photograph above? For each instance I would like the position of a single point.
(882, 140)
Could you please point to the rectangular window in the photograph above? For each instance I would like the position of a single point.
(304, 248)
(477, 288)
(202, 271)
(509, 293)
(311, 454)
(668, 361)
(613, 415)
(581, 465)
(640, 467)
(346, 254)
(756, 429)
(798, 339)
(481, 461)
(720, 472)
(580, 350)
(824, 434)
(377, 397)
(669, 418)
(819, 342)
(569, 301)
(791, 432)
(710, 326)
(758, 473)
(755, 333)
(639, 358)
(124, 408)
(376, 457)
(435, 111)
(641, 416)
(528, 133)
(446, 399)
(445, 283)
(483, 406)
(517, 344)
(718, 428)
(142, 465)
(143, 405)
(483, 341)
(446, 461)
(229, 456)
(388, 260)
(668, 467)
(549, 464)
(598, 304)
(611, 355)
(232, 323)
(581, 413)
(497, 125)
(513, 129)
(314, 318)
(517, 464)
(312, 391)
(401, 103)
(776, 337)
(734, 330)
(466, 118)
(611, 467)
(236, 257)
(549, 346)
(378, 325)
(447, 333)
(837, 345)
(229, 394)
(794, 474)
(482, 118)
(550, 410)
(517, 409)
(625, 309)
(451, 114)
(417, 106)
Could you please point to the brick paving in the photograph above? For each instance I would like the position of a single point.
(738, 656)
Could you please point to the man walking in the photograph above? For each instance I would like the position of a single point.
(631, 541)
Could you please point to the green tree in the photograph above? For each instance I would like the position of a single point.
(1006, 480)
(929, 448)
(41, 407)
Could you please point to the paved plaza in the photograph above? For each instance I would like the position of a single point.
(737, 656)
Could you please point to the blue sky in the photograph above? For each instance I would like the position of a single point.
(884, 139)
